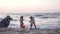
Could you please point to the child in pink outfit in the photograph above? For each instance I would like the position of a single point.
(21, 21)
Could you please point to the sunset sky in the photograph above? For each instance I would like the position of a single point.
(29, 6)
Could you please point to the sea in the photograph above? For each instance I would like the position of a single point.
(42, 20)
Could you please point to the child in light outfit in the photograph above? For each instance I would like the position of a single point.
(32, 22)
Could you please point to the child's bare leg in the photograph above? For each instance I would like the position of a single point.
(34, 25)
(31, 26)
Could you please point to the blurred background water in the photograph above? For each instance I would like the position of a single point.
(42, 20)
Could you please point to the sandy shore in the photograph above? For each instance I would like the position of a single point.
(29, 31)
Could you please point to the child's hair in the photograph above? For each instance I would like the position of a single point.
(21, 16)
(31, 17)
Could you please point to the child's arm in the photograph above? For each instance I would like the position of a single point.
(29, 21)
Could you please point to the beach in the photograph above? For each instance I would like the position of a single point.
(29, 31)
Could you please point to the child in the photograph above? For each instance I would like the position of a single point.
(32, 22)
(21, 21)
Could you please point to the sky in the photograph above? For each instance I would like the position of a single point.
(29, 6)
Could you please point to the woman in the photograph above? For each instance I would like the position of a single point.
(32, 22)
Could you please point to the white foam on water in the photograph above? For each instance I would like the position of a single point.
(40, 22)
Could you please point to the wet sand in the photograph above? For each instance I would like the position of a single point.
(29, 31)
